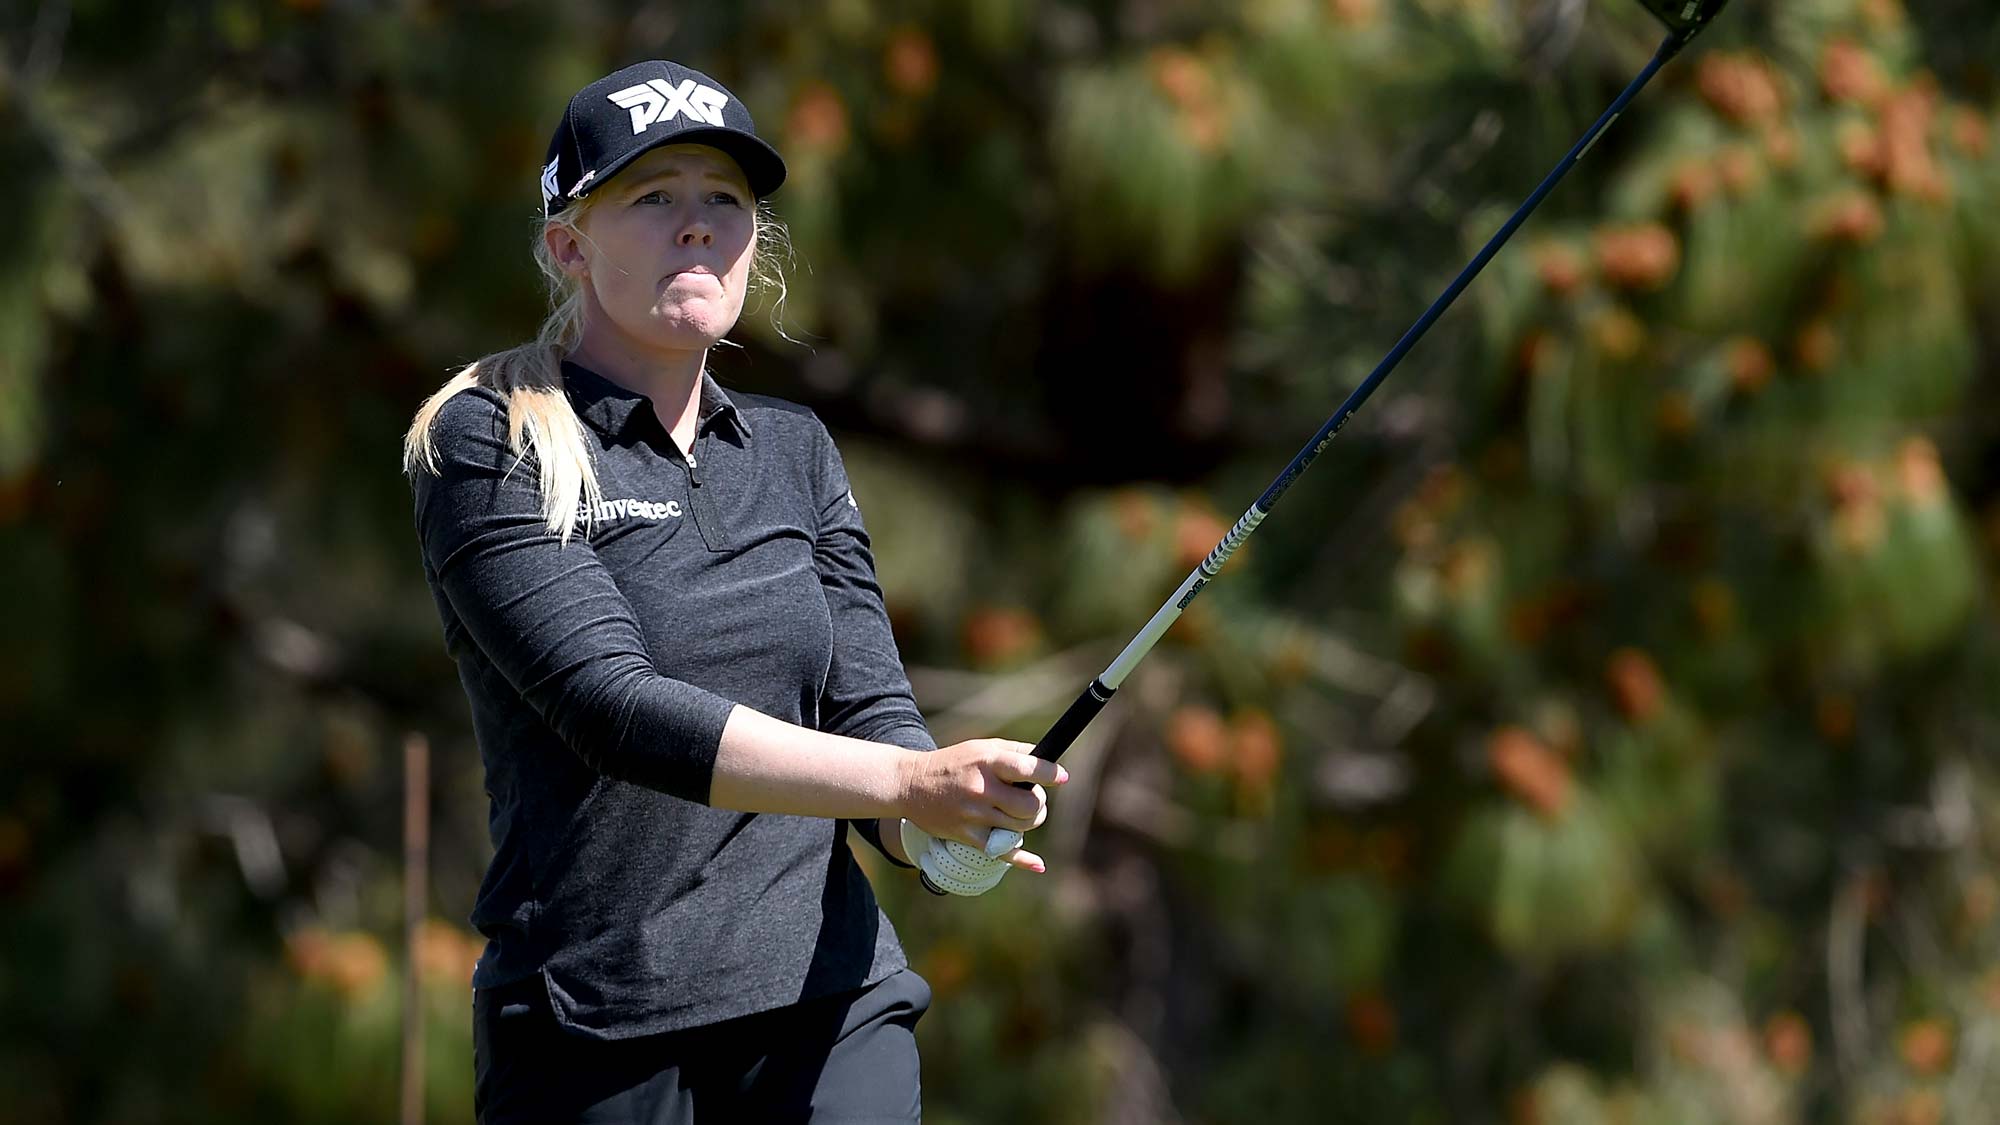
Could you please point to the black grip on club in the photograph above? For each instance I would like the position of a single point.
(1073, 721)
(1071, 724)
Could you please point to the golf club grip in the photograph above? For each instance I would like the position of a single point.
(1071, 724)
(1073, 721)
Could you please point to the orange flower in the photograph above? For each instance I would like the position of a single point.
(1850, 484)
(307, 949)
(359, 965)
(1853, 217)
(1181, 76)
(1561, 269)
(352, 963)
(819, 118)
(1919, 474)
(1750, 364)
(1635, 683)
(1354, 13)
(1468, 566)
(1782, 146)
(1197, 530)
(1641, 256)
(995, 635)
(1737, 166)
(1205, 127)
(910, 62)
(445, 952)
(1197, 737)
(1694, 184)
(1817, 346)
(1529, 771)
(1909, 168)
(1618, 334)
(1861, 149)
(1135, 513)
(1255, 748)
(1788, 1040)
(1739, 87)
(1859, 523)
(1926, 1047)
(1848, 73)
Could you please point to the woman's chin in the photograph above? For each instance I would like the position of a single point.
(685, 330)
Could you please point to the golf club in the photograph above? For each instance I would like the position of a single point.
(1684, 20)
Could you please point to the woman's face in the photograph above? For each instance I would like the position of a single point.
(665, 256)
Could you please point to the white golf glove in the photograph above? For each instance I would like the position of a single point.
(955, 868)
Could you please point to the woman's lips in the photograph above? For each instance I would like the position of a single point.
(689, 276)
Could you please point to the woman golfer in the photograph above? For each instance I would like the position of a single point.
(664, 612)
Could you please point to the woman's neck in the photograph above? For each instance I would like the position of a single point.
(671, 380)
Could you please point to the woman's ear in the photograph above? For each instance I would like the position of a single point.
(567, 248)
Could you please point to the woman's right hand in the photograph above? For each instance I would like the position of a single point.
(963, 792)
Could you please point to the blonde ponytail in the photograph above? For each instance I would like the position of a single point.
(529, 377)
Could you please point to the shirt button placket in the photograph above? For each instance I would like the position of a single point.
(698, 506)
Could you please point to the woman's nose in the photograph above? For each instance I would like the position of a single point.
(698, 233)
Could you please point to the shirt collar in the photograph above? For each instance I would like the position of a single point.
(611, 408)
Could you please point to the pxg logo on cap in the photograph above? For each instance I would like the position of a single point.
(657, 101)
(617, 118)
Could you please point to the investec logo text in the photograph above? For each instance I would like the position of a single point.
(608, 510)
(657, 101)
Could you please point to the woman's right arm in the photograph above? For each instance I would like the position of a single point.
(560, 631)
(959, 793)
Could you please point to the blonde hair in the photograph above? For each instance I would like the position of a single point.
(529, 377)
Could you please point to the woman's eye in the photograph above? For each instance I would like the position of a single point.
(653, 197)
(726, 198)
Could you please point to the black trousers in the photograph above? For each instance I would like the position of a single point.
(847, 1058)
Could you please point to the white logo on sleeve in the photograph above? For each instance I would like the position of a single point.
(657, 101)
(609, 510)
(850, 500)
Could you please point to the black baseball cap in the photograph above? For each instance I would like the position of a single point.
(610, 122)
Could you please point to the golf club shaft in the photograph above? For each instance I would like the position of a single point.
(1100, 689)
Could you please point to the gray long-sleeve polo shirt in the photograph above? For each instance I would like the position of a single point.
(600, 674)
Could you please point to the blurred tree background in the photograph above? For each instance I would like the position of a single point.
(1606, 731)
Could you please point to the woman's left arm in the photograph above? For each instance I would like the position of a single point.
(867, 693)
